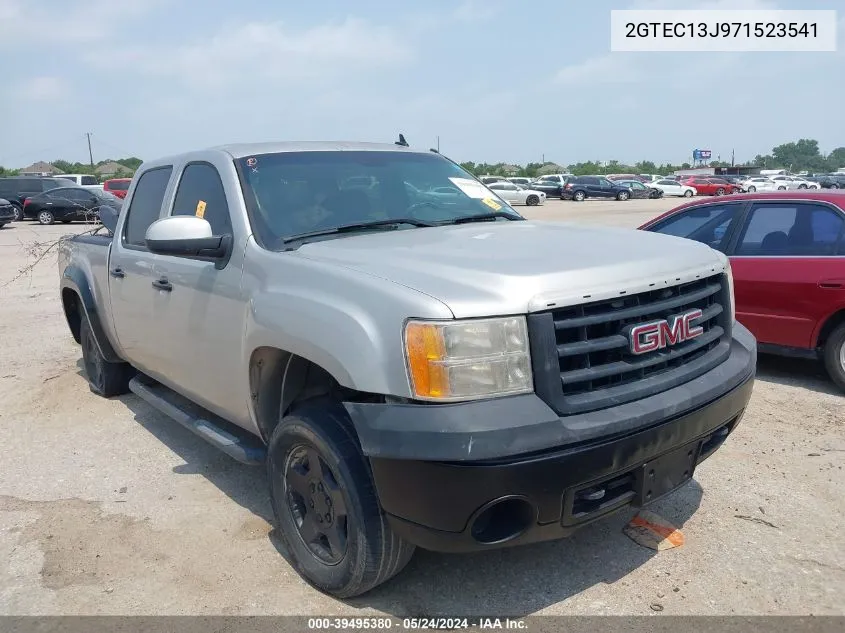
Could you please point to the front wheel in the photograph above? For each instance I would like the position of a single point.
(752, 189)
(781, 188)
(579, 196)
(325, 503)
(720, 191)
(45, 217)
(687, 194)
(834, 356)
(532, 201)
(622, 195)
(834, 186)
(802, 186)
(18, 213)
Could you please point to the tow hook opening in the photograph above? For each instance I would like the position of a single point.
(502, 520)
(716, 439)
(599, 497)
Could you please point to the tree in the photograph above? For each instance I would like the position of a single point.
(646, 167)
(836, 159)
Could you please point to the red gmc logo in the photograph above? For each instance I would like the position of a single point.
(649, 337)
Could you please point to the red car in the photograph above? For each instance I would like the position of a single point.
(117, 186)
(787, 252)
(711, 186)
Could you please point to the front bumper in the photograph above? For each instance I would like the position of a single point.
(486, 474)
(7, 214)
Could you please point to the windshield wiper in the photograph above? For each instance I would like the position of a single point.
(482, 217)
(359, 226)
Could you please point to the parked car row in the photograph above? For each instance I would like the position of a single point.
(49, 199)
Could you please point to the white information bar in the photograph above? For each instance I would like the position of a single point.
(718, 31)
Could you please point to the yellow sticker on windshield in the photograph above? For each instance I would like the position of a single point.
(201, 208)
(492, 204)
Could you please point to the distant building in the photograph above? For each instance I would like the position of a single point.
(109, 169)
(550, 168)
(40, 169)
(719, 171)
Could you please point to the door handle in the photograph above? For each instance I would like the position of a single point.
(162, 284)
(832, 283)
(117, 272)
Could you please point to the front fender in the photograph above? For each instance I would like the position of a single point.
(74, 279)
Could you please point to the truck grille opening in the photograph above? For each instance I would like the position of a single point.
(592, 353)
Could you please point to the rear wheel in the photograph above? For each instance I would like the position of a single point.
(802, 186)
(325, 503)
(834, 186)
(752, 189)
(781, 188)
(18, 213)
(45, 217)
(834, 356)
(532, 200)
(104, 378)
(720, 191)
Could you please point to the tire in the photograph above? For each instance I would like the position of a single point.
(367, 551)
(781, 188)
(622, 195)
(752, 189)
(532, 201)
(834, 186)
(579, 196)
(45, 217)
(18, 213)
(104, 378)
(834, 356)
(802, 186)
(720, 191)
(687, 194)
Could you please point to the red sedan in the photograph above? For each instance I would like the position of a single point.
(711, 186)
(787, 252)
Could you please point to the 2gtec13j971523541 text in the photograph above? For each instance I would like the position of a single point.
(721, 29)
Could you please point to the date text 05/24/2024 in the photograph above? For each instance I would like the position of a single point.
(723, 31)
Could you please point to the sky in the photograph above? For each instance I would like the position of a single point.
(495, 80)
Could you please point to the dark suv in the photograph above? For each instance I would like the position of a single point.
(581, 187)
(16, 189)
(830, 181)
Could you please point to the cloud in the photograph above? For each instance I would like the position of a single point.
(58, 23)
(43, 88)
(269, 52)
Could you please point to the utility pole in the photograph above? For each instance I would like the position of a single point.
(732, 158)
(90, 154)
(438, 144)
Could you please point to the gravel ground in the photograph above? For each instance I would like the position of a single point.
(108, 508)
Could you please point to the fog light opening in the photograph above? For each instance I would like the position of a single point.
(502, 520)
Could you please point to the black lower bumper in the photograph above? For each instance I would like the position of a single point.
(442, 494)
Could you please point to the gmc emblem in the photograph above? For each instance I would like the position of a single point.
(656, 335)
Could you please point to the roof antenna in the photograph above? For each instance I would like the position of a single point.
(402, 141)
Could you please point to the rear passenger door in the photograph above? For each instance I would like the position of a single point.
(201, 315)
(135, 303)
(789, 269)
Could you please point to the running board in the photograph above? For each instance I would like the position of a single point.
(230, 439)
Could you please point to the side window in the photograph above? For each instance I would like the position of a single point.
(145, 206)
(708, 224)
(200, 192)
(802, 229)
(495, 187)
(89, 180)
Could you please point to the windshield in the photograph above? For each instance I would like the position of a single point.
(106, 196)
(291, 193)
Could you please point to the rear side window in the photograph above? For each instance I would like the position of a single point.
(791, 230)
(89, 180)
(145, 206)
(201, 193)
(708, 224)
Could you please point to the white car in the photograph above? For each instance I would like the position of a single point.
(514, 194)
(760, 183)
(673, 188)
(796, 182)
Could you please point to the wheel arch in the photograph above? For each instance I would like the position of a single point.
(77, 304)
(279, 379)
(830, 324)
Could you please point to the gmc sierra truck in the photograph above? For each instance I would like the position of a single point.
(415, 368)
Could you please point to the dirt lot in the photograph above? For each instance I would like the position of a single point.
(108, 508)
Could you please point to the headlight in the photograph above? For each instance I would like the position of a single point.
(466, 360)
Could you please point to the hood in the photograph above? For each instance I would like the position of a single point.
(498, 268)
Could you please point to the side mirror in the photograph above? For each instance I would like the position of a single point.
(188, 236)
(108, 216)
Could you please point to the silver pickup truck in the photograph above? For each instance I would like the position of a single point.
(415, 363)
